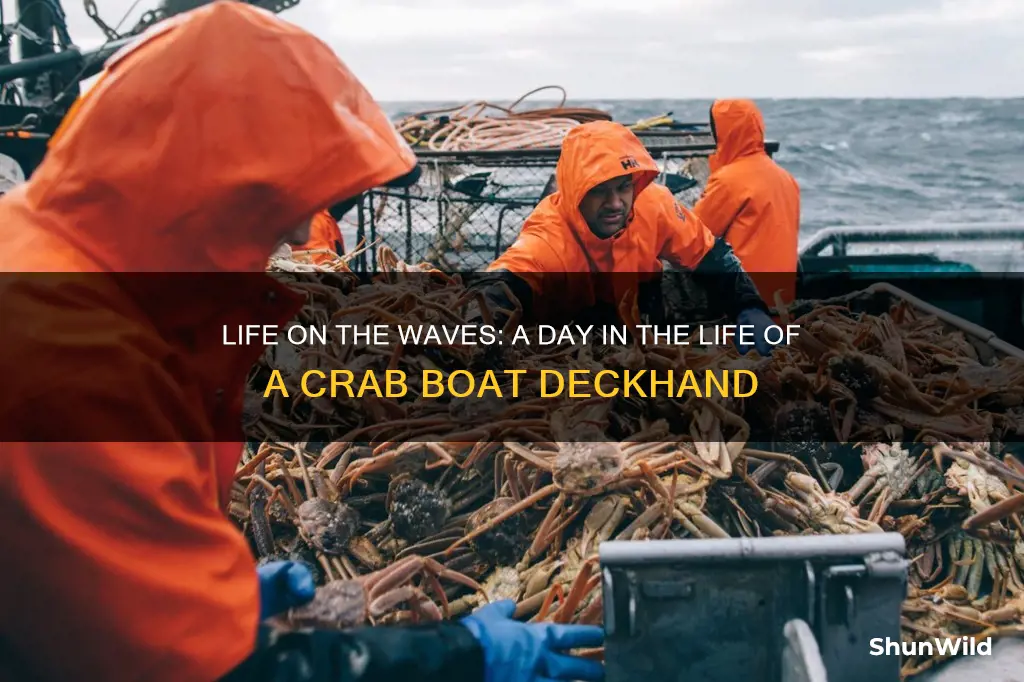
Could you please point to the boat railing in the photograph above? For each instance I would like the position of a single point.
(837, 240)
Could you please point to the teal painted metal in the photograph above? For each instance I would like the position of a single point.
(838, 239)
(939, 267)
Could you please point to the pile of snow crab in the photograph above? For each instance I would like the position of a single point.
(411, 510)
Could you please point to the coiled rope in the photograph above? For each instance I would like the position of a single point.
(473, 126)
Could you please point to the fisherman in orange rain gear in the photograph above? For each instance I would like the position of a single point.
(609, 219)
(120, 418)
(750, 201)
(324, 234)
(325, 231)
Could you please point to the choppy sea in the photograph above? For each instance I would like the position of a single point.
(873, 161)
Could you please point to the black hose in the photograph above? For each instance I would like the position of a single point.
(91, 61)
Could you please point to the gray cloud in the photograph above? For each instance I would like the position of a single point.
(468, 49)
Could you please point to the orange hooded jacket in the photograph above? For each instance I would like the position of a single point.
(121, 562)
(751, 201)
(556, 239)
(323, 233)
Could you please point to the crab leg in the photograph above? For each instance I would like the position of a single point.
(526, 503)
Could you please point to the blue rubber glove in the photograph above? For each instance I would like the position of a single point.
(283, 585)
(760, 321)
(530, 652)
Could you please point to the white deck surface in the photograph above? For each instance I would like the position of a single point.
(1006, 664)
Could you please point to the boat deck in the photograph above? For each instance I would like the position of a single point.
(1006, 664)
(988, 247)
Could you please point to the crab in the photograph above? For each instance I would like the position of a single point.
(822, 512)
(322, 519)
(417, 509)
(576, 590)
(789, 414)
(939, 613)
(574, 585)
(1009, 507)
(506, 542)
(391, 264)
(584, 467)
(870, 377)
(526, 587)
(882, 332)
(1010, 611)
(892, 393)
(998, 386)
(982, 491)
(925, 548)
(407, 443)
(287, 546)
(396, 460)
(345, 604)
(714, 454)
(974, 558)
(325, 524)
(888, 476)
(680, 498)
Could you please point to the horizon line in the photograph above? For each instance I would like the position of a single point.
(706, 99)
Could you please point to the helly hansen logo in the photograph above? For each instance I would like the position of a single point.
(679, 211)
(628, 162)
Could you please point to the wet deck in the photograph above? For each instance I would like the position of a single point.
(1006, 664)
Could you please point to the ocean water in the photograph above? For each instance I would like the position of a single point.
(867, 162)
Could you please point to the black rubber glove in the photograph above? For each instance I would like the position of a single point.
(730, 289)
(437, 652)
(498, 301)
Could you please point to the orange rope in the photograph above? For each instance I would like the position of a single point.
(472, 128)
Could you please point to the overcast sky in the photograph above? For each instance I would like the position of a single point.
(499, 49)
